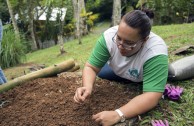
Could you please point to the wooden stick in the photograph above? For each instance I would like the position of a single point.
(46, 72)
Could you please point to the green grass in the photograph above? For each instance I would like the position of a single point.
(175, 36)
(79, 52)
(180, 113)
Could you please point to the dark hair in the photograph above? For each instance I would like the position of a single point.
(148, 12)
(138, 19)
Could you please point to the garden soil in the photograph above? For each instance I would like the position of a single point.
(49, 102)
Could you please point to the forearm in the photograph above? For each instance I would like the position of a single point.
(89, 75)
(141, 104)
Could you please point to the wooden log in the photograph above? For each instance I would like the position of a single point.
(46, 72)
(184, 50)
(76, 67)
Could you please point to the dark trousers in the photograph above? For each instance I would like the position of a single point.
(107, 73)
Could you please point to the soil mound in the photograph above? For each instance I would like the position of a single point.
(49, 102)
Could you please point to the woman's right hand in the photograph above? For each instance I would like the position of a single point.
(81, 94)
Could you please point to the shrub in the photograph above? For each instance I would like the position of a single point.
(89, 18)
(13, 50)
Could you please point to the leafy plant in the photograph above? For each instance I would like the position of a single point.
(89, 18)
(69, 28)
(13, 50)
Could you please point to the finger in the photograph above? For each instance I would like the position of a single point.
(85, 94)
(98, 120)
(75, 99)
(80, 92)
(94, 117)
(78, 95)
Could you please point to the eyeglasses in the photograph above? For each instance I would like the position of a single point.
(127, 44)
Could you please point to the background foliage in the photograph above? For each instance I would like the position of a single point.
(13, 50)
(178, 113)
(166, 12)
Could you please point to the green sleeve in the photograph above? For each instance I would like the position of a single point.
(100, 53)
(155, 73)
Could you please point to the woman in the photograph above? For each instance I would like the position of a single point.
(128, 52)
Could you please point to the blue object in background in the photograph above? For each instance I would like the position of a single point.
(2, 76)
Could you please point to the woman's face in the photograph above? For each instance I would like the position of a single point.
(128, 40)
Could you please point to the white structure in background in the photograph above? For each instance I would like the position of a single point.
(54, 13)
(40, 13)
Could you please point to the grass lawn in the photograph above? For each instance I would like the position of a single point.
(180, 113)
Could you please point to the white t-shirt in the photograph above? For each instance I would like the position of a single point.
(132, 67)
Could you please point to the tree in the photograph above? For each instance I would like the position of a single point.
(61, 33)
(60, 22)
(83, 25)
(174, 11)
(102, 7)
(26, 14)
(31, 23)
(16, 30)
(76, 10)
(116, 16)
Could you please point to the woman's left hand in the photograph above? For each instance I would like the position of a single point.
(106, 118)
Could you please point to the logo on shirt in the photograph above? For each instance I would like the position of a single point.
(133, 73)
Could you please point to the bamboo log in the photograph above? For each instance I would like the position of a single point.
(76, 67)
(46, 72)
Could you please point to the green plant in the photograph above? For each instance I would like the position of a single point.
(13, 50)
(89, 18)
(69, 28)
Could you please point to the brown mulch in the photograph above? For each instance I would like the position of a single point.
(49, 102)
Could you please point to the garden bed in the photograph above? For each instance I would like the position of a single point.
(49, 102)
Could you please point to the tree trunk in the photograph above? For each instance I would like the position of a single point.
(116, 17)
(16, 30)
(77, 19)
(61, 43)
(46, 72)
(83, 25)
(60, 36)
(31, 29)
(31, 25)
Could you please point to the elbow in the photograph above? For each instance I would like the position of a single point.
(93, 68)
(153, 97)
